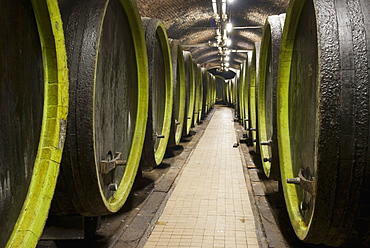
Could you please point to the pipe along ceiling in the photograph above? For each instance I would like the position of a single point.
(218, 33)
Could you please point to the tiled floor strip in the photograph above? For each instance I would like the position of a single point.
(209, 206)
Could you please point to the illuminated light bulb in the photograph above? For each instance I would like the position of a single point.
(214, 5)
(227, 64)
(228, 42)
(229, 27)
(227, 52)
(227, 58)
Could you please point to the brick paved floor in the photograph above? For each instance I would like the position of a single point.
(209, 206)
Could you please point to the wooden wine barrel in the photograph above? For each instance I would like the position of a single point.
(198, 94)
(235, 94)
(267, 87)
(160, 92)
(206, 92)
(230, 86)
(223, 89)
(238, 102)
(190, 92)
(226, 91)
(243, 95)
(213, 90)
(108, 73)
(233, 91)
(323, 119)
(246, 90)
(33, 110)
(253, 97)
(179, 92)
(239, 110)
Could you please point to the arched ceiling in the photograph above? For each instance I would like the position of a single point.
(193, 23)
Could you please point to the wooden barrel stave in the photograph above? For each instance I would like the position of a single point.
(34, 104)
(323, 88)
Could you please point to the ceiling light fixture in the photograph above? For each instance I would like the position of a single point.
(229, 27)
(228, 42)
(214, 5)
(223, 28)
(223, 7)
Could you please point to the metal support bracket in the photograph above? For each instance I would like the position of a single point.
(305, 184)
(158, 136)
(266, 143)
(107, 165)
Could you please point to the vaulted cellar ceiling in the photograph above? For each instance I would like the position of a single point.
(193, 23)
